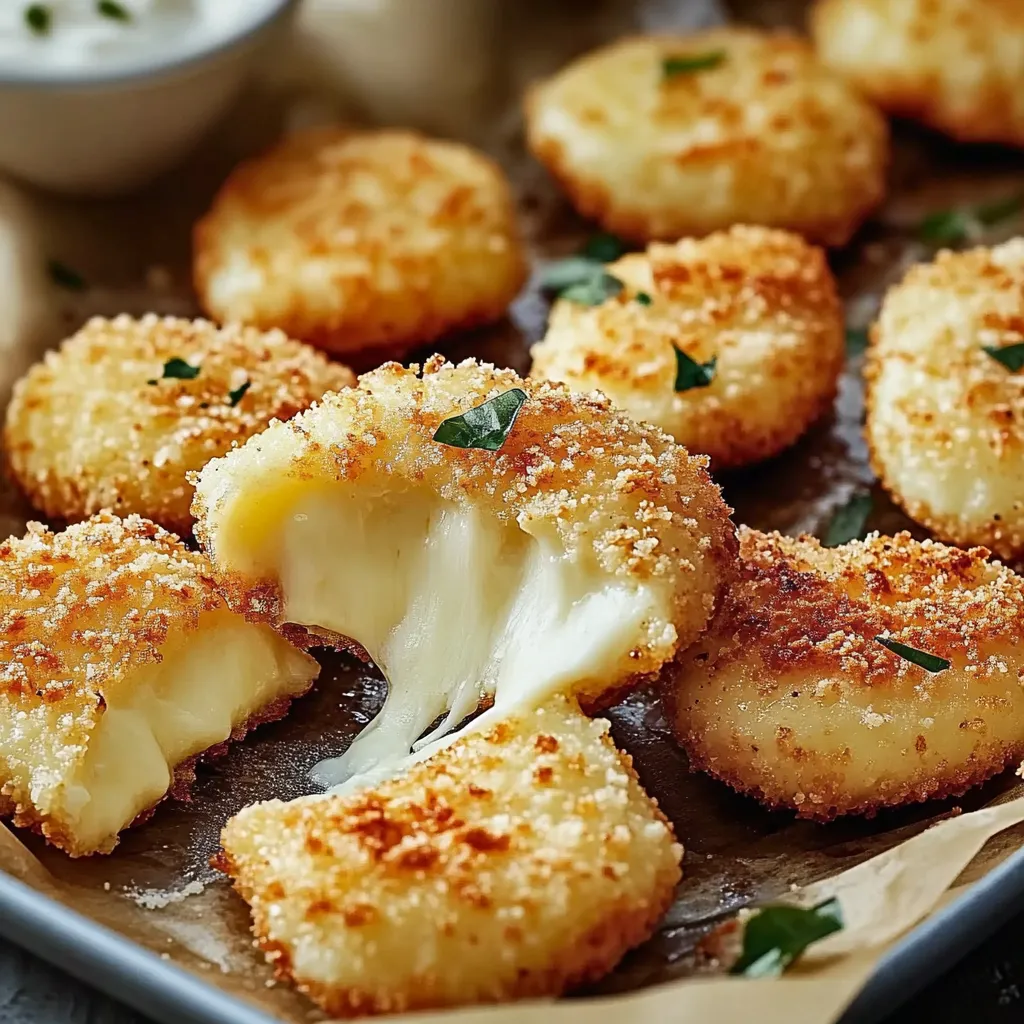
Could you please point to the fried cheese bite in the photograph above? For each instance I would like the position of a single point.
(361, 241)
(792, 696)
(945, 396)
(578, 557)
(519, 861)
(956, 65)
(758, 306)
(662, 136)
(119, 665)
(123, 410)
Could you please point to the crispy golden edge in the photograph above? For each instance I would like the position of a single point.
(593, 199)
(809, 625)
(284, 377)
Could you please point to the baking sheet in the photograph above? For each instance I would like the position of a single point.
(158, 890)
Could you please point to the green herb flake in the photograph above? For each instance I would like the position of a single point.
(234, 397)
(950, 227)
(691, 374)
(643, 298)
(113, 10)
(178, 369)
(593, 291)
(689, 63)
(856, 340)
(63, 275)
(1011, 356)
(39, 18)
(849, 520)
(604, 248)
(929, 662)
(485, 426)
(573, 270)
(775, 936)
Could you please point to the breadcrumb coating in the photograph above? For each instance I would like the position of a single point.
(790, 698)
(945, 420)
(95, 425)
(85, 614)
(956, 65)
(353, 241)
(764, 135)
(610, 496)
(762, 303)
(517, 862)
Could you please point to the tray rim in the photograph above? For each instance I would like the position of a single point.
(134, 975)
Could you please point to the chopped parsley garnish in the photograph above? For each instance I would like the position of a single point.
(929, 662)
(1011, 356)
(39, 18)
(114, 10)
(691, 374)
(597, 288)
(61, 274)
(604, 248)
(948, 227)
(179, 369)
(856, 340)
(558, 276)
(775, 936)
(687, 64)
(234, 397)
(643, 298)
(485, 426)
(849, 520)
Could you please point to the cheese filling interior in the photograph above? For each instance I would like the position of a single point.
(208, 682)
(453, 605)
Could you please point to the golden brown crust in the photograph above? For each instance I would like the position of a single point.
(358, 241)
(956, 65)
(518, 862)
(789, 696)
(86, 429)
(762, 303)
(767, 136)
(945, 420)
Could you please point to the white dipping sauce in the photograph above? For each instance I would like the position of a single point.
(78, 37)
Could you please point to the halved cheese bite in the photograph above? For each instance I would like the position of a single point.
(579, 556)
(119, 664)
(519, 861)
(751, 313)
(845, 680)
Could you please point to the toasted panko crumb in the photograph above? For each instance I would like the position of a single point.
(945, 420)
(95, 425)
(615, 496)
(361, 241)
(956, 65)
(517, 862)
(765, 136)
(790, 698)
(762, 303)
(82, 612)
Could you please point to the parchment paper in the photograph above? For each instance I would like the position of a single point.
(158, 889)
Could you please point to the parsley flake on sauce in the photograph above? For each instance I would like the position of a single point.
(929, 662)
(691, 374)
(178, 369)
(689, 63)
(775, 936)
(1011, 356)
(113, 10)
(485, 426)
(234, 397)
(39, 18)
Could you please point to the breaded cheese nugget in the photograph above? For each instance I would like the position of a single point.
(361, 240)
(119, 665)
(579, 556)
(762, 304)
(119, 414)
(791, 697)
(945, 408)
(663, 136)
(517, 862)
(956, 65)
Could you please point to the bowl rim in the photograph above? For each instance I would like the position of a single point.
(138, 72)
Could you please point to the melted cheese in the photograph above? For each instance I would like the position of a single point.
(454, 606)
(206, 684)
